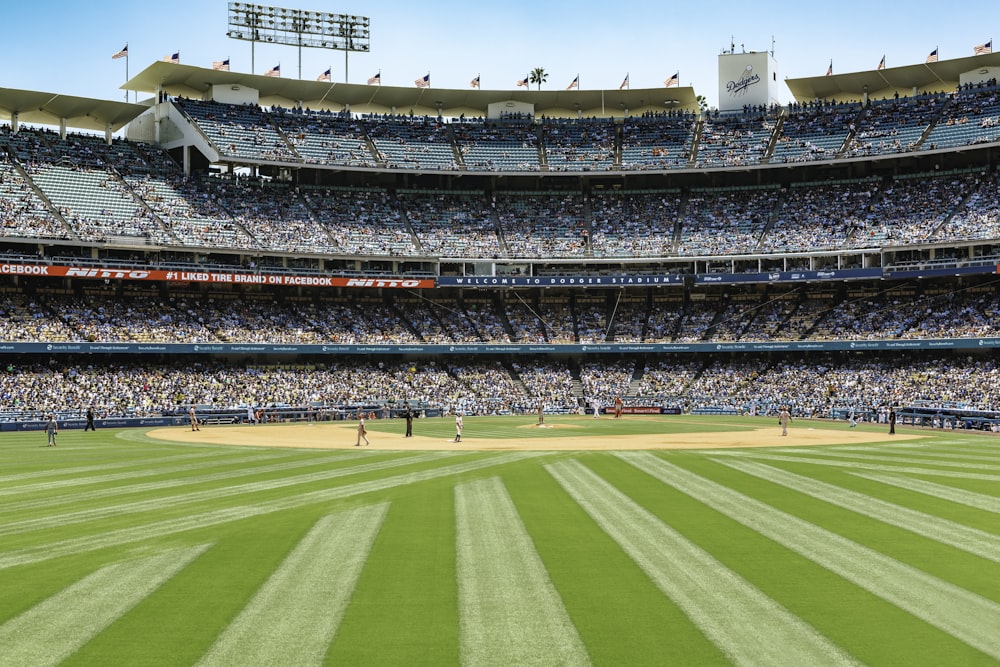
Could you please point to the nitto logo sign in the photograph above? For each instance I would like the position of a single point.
(740, 86)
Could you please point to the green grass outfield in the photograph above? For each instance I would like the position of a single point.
(117, 549)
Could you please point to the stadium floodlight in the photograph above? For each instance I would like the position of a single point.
(296, 27)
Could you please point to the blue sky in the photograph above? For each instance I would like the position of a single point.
(66, 48)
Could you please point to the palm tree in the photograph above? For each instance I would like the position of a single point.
(539, 76)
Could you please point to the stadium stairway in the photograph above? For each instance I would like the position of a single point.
(775, 134)
(636, 381)
(51, 207)
(414, 239)
(931, 125)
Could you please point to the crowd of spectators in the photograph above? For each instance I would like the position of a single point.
(894, 125)
(498, 146)
(135, 190)
(973, 117)
(657, 141)
(452, 223)
(817, 130)
(603, 381)
(910, 210)
(22, 211)
(240, 130)
(821, 215)
(149, 314)
(735, 139)
(725, 221)
(361, 220)
(413, 143)
(579, 145)
(816, 386)
(633, 223)
(542, 224)
(277, 216)
(547, 382)
(814, 131)
(979, 216)
(323, 137)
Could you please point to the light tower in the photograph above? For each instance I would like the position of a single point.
(296, 27)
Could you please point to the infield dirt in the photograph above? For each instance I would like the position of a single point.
(343, 435)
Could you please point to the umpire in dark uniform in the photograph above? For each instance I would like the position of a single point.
(409, 421)
(90, 420)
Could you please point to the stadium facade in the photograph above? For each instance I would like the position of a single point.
(494, 249)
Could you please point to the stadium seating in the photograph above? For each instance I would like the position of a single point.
(327, 193)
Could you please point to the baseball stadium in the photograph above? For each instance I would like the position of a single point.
(297, 372)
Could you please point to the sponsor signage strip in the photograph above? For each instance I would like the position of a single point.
(559, 281)
(163, 275)
(639, 280)
(111, 422)
(489, 348)
(787, 276)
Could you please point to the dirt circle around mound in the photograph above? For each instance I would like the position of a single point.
(343, 435)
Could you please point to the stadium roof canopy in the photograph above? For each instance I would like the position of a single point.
(924, 77)
(38, 108)
(196, 82)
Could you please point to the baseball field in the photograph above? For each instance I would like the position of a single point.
(645, 540)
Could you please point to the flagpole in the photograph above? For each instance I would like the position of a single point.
(126, 74)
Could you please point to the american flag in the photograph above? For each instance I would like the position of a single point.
(121, 54)
(475, 82)
(424, 81)
(222, 65)
(829, 70)
(574, 84)
(325, 76)
(175, 58)
(675, 80)
(982, 49)
(933, 57)
(524, 82)
(624, 83)
(881, 63)
(375, 79)
(274, 71)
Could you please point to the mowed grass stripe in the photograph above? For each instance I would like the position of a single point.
(929, 451)
(129, 463)
(52, 630)
(294, 616)
(749, 627)
(975, 541)
(910, 470)
(951, 463)
(79, 497)
(979, 501)
(510, 613)
(135, 507)
(966, 616)
(158, 529)
(132, 474)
